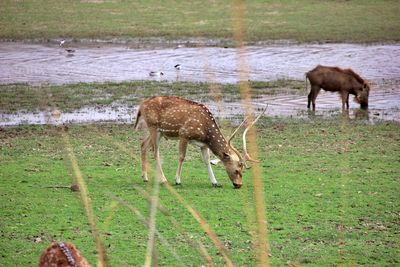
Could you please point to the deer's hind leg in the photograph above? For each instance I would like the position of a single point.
(182, 154)
(155, 139)
(309, 99)
(146, 143)
(312, 96)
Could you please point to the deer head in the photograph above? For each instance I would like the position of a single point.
(234, 162)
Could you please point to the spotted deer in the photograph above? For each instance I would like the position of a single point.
(63, 255)
(189, 122)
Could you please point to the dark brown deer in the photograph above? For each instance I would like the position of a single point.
(189, 122)
(334, 79)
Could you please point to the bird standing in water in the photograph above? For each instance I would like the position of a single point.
(156, 73)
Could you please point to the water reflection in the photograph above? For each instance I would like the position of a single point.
(361, 114)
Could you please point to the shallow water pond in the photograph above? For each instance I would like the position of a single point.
(51, 64)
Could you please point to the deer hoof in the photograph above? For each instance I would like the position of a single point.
(216, 185)
(177, 183)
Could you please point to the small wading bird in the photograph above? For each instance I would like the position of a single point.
(156, 73)
(70, 51)
(190, 123)
(177, 66)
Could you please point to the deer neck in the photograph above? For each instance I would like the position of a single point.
(217, 144)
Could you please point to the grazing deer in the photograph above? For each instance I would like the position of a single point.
(334, 79)
(189, 122)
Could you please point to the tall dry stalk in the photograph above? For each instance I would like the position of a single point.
(261, 241)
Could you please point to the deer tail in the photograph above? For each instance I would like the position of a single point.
(137, 120)
(306, 81)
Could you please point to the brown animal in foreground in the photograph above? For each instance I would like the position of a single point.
(62, 255)
(189, 122)
(334, 79)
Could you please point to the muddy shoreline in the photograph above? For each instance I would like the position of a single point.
(161, 42)
(384, 106)
(92, 61)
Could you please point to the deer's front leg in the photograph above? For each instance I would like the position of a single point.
(182, 154)
(205, 152)
(345, 99)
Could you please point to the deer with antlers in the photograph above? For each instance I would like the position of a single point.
(189, 122)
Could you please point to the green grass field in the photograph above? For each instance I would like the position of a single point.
(331, 195)
(303, 21)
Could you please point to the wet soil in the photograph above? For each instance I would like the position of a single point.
(384, 105)
(51, 64)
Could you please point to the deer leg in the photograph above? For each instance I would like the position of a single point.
(182, 154)
(156, 136)
(143, 148)
(309, 99)
(315, 90)
(205, 152)
(345, 100)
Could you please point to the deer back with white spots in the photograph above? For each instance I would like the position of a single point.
(60, 254)
(188, 122)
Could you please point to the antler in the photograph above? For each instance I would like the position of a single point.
(246, 154)
(233, 135)
(236, 130)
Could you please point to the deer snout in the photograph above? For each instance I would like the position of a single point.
(237, 186)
